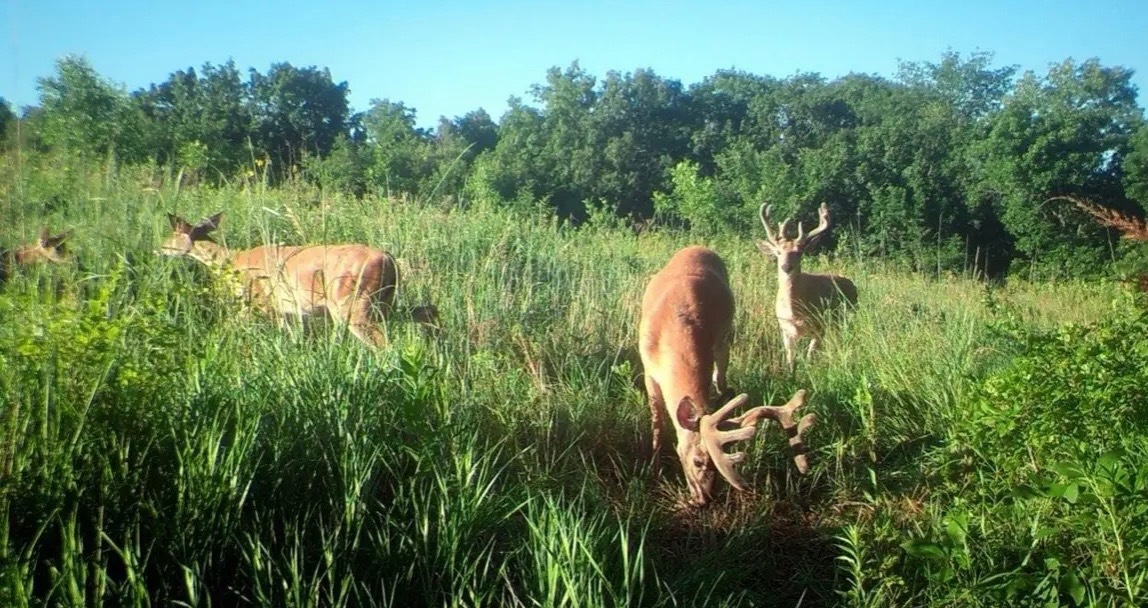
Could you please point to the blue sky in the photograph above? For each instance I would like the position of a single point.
(447, 57)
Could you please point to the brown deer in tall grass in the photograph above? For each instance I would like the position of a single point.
(349, 283)
(48, 249)
(804, 300)
(685, 335)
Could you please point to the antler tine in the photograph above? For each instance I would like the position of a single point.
(763, 213)
(822, 226)
(797, 443)
(781, 228)
(732, 405)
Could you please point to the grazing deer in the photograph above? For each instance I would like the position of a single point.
(803, 300)
(684, 340)
(345, 282)
(48, 249)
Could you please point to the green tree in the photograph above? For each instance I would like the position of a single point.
(1134, 166)
(7, 122)
(641, 126)
(475, 131)
(297, 111)
(85, 114)
(972, 87)
(398, 147)
(720, 114)
(207, 111)
(1061, 134)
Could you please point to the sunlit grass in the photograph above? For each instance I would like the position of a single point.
(161, 447)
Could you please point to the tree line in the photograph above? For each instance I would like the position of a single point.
(945, 165)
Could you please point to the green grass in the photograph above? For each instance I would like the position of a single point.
(159, 448)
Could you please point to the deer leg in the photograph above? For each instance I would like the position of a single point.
(789, 336)
(813, 342)
(721, 364)
(346, 304)
(384, 300)
(362, 325)
(368, 334)
(657, 413)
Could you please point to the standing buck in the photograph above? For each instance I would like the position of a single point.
(48, 249)
(803, 300)
(684, 341)
(346, 282)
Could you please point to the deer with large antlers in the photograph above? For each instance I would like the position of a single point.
(349, 283)
(48, 249)
(685, 335)
(803, 300)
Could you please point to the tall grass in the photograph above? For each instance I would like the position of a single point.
(160, 447)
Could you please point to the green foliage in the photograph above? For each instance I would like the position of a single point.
(1135, 166)
(299, 111)
(211, 107)
(7, 123)
(1071, 393)
(1054, 441)
(1062, 134)
(86, 115)
(693, 199)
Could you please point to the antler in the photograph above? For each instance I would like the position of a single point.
(784, 416)
(714, 440)
(822, 225)
(763, 213)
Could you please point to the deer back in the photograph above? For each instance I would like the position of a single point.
(308, 280)
(687, 310)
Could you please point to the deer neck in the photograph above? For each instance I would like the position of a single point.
(687, 381)
(24, 255)
(211, 254)
(787, 284)
(788, 290)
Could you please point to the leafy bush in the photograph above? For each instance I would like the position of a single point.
(694, 199)
(1054, 439)
(1075, 392)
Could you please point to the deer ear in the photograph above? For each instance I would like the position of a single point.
(202, 230)
(766, 248)
(213, 221)
(58, 240)
(45, 237)
(689, 415)
(178, 224)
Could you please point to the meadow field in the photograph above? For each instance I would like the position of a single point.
(977, 444)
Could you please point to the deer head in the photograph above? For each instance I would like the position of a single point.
(184, 236)
(706, 455)
(788, 251)
(49, 247)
